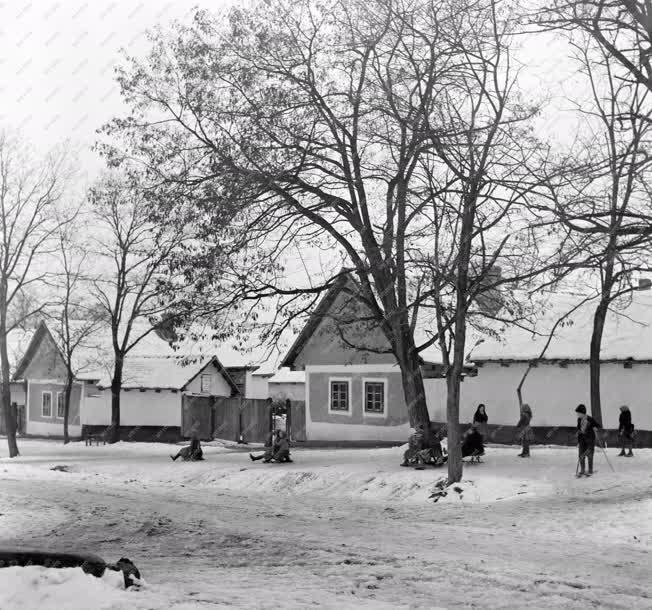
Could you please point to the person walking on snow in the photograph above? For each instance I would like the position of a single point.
(480, 417)
(526, 436)
(586, 438)
(625, 431)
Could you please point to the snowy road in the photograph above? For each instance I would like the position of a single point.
(202, 546)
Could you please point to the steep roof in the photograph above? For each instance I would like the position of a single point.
(627, 333)
(346, 282)
(18, 341)
(164, 372)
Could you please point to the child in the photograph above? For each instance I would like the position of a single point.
(525, 435)
(416, 443)
(586, 426)
(281, 449)
(191, 453)
(270, 443)
(472, 442)
(625, 431)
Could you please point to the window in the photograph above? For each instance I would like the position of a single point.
(60, 404)
(46, 404)
(374, 396)
(339, 395)
(205, 384)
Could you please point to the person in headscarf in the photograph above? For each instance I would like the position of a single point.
(625, 431)
(525, 435)
(432, 453)
(480, 417)
(586, 438)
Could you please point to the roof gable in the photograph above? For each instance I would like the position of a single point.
(339, 329)
(43, 353)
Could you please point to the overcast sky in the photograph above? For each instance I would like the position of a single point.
(57, 59)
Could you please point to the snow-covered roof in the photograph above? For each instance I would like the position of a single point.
(285, 375)
(162, 372)
(627, 333)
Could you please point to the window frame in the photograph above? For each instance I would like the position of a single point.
(376, 380)
(201, 383)
(63, 405)
(49, 393)
(348, 382)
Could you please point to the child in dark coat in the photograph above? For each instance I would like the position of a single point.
(625, 431)
(416, 443)
(282, 448)
(472, 442)
(192, 453)
(586, 438)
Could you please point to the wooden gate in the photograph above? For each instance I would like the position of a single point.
(18, 413)
(197, 417)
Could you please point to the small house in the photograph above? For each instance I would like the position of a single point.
(352, 382)
(154, 391)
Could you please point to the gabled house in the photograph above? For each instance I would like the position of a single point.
(353, 384)
(42, 372)
(18, 340)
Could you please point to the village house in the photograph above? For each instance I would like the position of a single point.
(17, 341)
(352, 385)
(155, 390)
(559, 381)
(42, 373)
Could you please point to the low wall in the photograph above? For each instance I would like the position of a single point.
(142, 434)
(553, 435)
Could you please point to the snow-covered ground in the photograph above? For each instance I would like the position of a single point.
(335, 529)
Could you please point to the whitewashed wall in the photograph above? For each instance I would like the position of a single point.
(553, 393)
(136, 409)
(256, 386)
(50, 429)
(219, 385)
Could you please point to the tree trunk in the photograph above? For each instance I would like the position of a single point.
(412, 377)
(66, 407)
(116, 387)
(453, 382)
(5, 393)
(594, 359)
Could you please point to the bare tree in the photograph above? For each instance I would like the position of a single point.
(75, 317)
(132, 287)
(621, 29)
(30, 192)
(603, 202)
(334, 126)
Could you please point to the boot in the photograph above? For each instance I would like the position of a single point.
(630, 454)
(622, 453)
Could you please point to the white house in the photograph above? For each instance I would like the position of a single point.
(560, 379)
(153, 391)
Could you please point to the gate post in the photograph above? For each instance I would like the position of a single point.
(288, 418)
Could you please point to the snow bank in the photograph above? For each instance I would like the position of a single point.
(36, 587)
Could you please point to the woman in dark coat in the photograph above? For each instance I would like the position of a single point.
(472, 442)
(625, 431)
(480, 417)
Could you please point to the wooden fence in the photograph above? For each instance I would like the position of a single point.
(238, 419)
